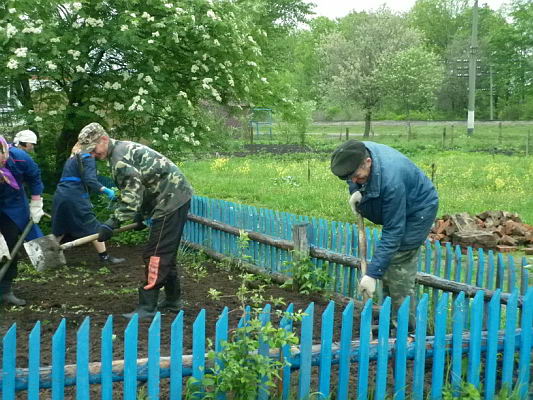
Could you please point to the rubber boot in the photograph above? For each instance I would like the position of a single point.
(172, 299)
(147, 304)
(10, 298)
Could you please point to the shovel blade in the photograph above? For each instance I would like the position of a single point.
(45, 253)
(4, 250)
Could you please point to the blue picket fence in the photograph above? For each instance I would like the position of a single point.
(484, 343)
(460, 352)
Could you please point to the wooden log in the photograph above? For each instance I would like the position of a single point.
(421, 278)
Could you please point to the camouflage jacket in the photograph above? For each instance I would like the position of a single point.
(149, 182)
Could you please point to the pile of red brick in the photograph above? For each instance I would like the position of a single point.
(498, 230)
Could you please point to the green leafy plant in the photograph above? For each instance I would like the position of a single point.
(305, 276)
(239, 370)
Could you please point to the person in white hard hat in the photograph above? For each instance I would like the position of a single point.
(25, 140)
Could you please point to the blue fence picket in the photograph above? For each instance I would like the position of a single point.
(106, 354)
(476, 327)
(449, 261)
(9, 359)
(401, 350)
(344, 356)
(383, 349)
(58, 361)
(286, 323)
(82, 360)
(500, 272)
(458, 263)
(420, 348)
(459, 318)
(198, 346)
(263, 350)
(154, 354)
(524, 277)
(509, 340)
(176, 353)
(326, 340)
(492, 345)
(524, 364)
(34, 361)
(439, 352)
(469, 265)
(306, 347)
(365, 326)
(131, 335)
(512, 274)
(480, 267)
(490, 271)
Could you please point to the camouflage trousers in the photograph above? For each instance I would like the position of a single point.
(399, 282)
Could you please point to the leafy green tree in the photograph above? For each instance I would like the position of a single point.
(147, 68)
(411, 78)
(356, 57)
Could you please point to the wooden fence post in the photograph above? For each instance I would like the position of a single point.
(443, 138)
(251, 134)
(528, 140)
(500, 133)
(301, 241)
(347, 133)
(451, 135)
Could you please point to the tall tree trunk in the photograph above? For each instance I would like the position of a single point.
(368, 120)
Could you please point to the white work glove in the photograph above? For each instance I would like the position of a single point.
(36, 210)
(367, 286)
(354, 201)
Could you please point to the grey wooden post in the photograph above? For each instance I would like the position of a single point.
(347, 133)
(500, 133)
(301, 241)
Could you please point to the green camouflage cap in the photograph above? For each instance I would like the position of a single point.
(347, 158)
(90, 136)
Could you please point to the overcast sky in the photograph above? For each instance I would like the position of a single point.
(339, 8)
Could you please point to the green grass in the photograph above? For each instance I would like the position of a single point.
(303, 184)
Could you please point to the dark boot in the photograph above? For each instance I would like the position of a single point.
(10, 298)
(110, 260)
(172, 299)
(147, 304)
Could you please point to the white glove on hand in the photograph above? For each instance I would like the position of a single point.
(367, 286)
(36, 210)
(354, 201)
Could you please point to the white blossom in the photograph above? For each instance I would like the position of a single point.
(182, 94)
(12, 10)
(12, 64)
(116, 86)
(32, 29)
(55, 40)
(126, 75)
(100, 113)
(79, 68)
(52, 112)
(207, 80)
(76, 6)
(169, 5)
(11, 30)
(133, 15)
(101, 40)
(194, 68)
(155, 129)
(216, 42)
(76, 25)
(118, 106)
(142, 91)
(50, 65)
(38, 119)
(148, 17)
(21, 52)
(95, 22)
(157, 68)
(124, 28)
(211, 14)
(165, 136)
(74, 53)
(148, 79)
(264, 80)
(251, 63)
(92, 108)
(205, 68)
(155, 34)
(150, 41)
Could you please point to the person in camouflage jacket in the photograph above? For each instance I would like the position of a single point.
(154, 193)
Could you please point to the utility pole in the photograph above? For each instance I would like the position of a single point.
(472, 73)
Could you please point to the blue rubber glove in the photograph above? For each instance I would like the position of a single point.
(110, 193)
(148, 222)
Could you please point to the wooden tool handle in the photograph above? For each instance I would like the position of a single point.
(90, 238)
(362, 242)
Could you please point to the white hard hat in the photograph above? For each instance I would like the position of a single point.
(25, 136)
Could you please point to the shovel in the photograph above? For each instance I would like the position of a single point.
(4, 250)
(15, 249)
(45, 252)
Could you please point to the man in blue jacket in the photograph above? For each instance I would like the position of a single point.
(16, 169)
(390, 190)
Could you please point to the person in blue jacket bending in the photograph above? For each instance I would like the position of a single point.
(17, 169)
(390, 190)
(72, 210)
